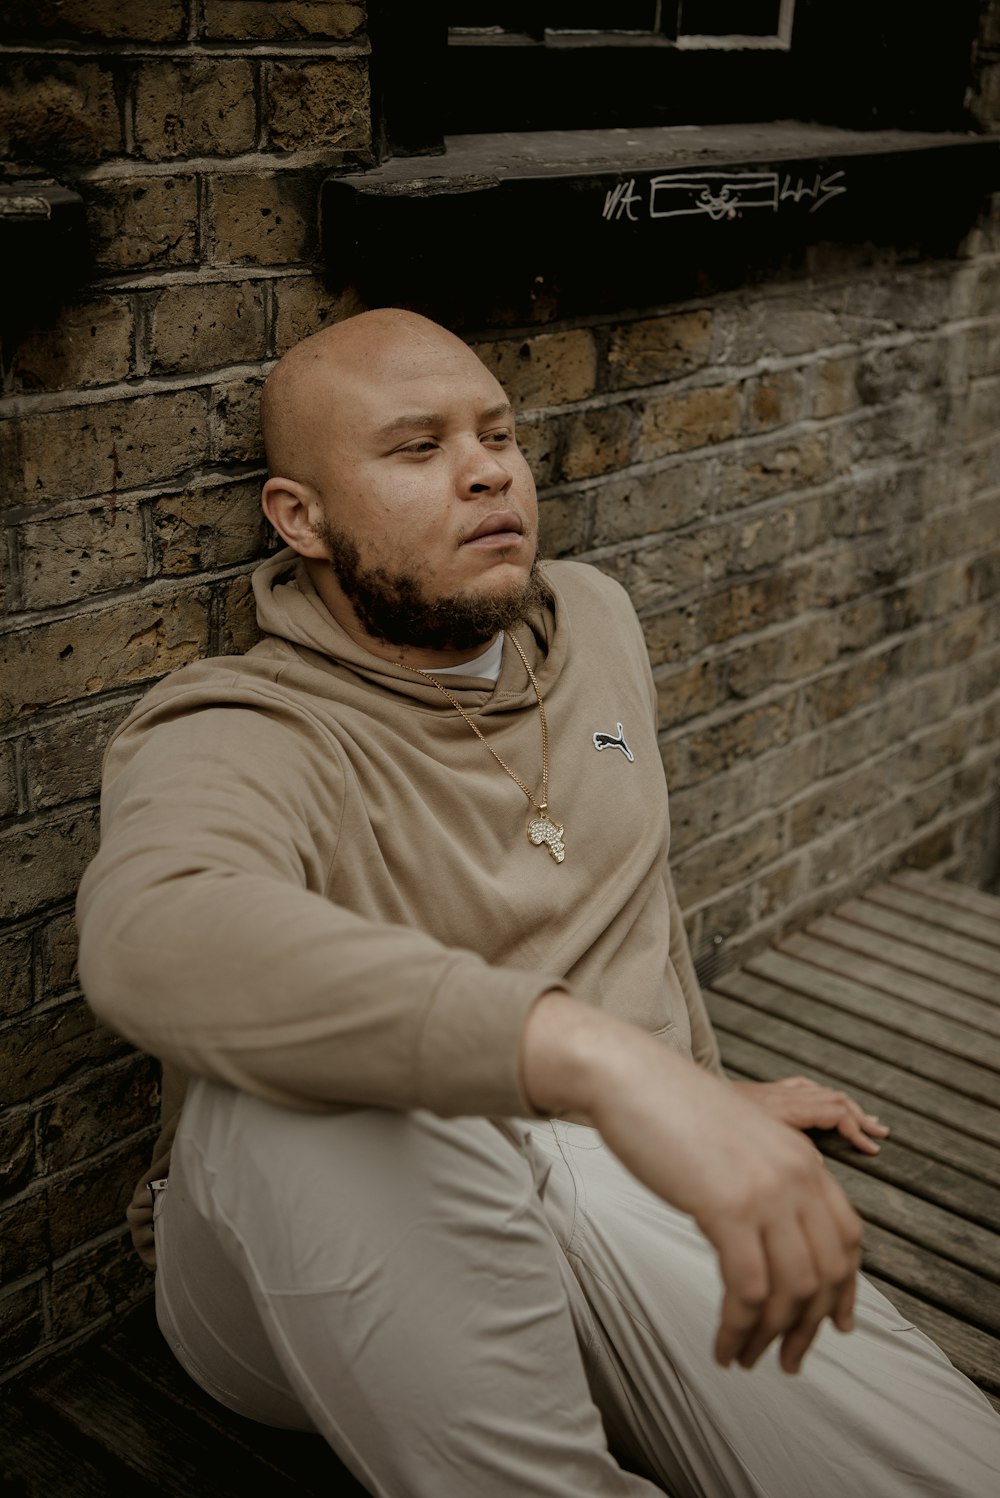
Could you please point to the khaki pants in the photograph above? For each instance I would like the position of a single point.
(472, 1309)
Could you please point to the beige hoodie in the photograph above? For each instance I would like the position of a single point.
(315, 884)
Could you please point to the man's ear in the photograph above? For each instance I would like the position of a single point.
(296, 513)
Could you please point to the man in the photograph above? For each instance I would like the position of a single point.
(392, 890)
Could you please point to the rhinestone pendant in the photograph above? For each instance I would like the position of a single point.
(544, 830)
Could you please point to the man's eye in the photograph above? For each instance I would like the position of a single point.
(500, 437)
(425, 445)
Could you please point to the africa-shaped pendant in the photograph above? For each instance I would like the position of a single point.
(543, 830)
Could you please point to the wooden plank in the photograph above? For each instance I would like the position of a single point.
(946, 1185)
(923, 1136)
(952, 893)
(791, 967)
(959, 1291)
(851, 1068)
(973, 1352)
(925, 907)
(40, 1457)
(944, 1233)
(160, 1443)
(305, 1459)
(908, 987)
(958, 949)
(904, 955)
(962, 1079)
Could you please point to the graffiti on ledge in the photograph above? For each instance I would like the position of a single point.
(717, 195)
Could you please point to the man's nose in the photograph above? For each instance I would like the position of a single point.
(483, 472)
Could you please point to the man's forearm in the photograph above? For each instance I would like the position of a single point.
(788, 1240)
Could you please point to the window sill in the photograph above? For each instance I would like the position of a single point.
(602, 219)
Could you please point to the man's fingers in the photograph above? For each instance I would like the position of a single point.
(800, 1304)
(745, 1275)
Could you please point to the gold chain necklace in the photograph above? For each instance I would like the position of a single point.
(541, 830)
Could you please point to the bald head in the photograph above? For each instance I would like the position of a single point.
(309, 388)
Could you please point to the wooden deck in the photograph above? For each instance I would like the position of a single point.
(896, 997)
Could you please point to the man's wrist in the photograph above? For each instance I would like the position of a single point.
(572, 1054)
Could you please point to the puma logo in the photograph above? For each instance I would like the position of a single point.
(608, 741)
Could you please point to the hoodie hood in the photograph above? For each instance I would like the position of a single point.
(290, 609)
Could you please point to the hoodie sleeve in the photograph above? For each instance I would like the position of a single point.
(206, 940)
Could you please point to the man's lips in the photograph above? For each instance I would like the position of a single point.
(502, 528)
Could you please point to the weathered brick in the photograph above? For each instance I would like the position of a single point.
(89, 343)
(795, 653)
(312, 104)
(107, 20)
(206, 327)
(758, 541)
(773, 467)
(672, 634)
(694, 418)
(290, 20)
(798, 324)
(773, 400)
(835, 387)
(93, 1199)
(540, 440)
(564, 524)
(110, 1104)
(658, 348)
(728, 860)
(134, 641)
(642, 504)
(724, 915)
(596, 442)
(547, 369)
(16, 982)
(8, 781)
(888, 373)
(57, 111)
(684, 694)
(64, 756)
(263, 219)
(304, 306)
(96, 1285)
(47, 861)
(983, 101)
(238, 628)
(24, 1239)
(745, 606)
(661, 570)
(745, 734)
(17, 1150)
(979, 412)
(103, 449)
(205, 107)
(22, 1321)
(838, 801)
(58, 955)
(207, 528)
(236, 422)
(844, 691)
(81, 555)
(142, 223)
(45, 1050)
(778, 888)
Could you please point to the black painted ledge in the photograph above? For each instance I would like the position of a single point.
(597, 220)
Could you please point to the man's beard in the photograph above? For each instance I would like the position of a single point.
(392, 606)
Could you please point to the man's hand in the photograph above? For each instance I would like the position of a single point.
(808, 1105)
(787, 1238)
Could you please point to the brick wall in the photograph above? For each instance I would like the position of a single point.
(799, 486)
